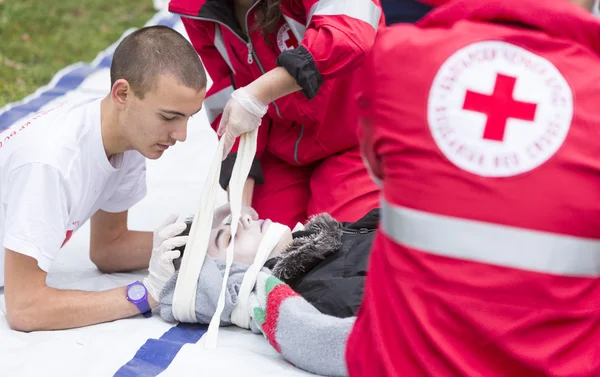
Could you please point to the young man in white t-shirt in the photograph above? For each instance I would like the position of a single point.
(86, 159)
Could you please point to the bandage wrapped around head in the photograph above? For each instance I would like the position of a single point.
(210, 282)
(207, 294)
(184, 303)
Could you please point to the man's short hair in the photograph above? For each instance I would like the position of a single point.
(154, 50)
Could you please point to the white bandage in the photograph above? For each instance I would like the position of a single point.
(184, 297)
(273, 235)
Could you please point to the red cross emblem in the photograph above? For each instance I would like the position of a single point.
(286, 40)
(499, 107)
(291, 41)
(527, 103)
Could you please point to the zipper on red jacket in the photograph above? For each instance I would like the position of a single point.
(357, 231)
(251, 53)
(297, 145)
(250, 49)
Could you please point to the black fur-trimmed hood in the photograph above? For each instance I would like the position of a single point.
(327, 262)
(321, 237)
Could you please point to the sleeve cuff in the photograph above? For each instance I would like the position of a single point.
(227, 169)
(301, 65)
(27, 248)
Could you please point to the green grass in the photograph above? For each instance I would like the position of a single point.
(38, 38)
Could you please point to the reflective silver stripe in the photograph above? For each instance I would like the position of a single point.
(491, 243)
(297, 28)
(220, 45)
(364, 10)
(215, 104)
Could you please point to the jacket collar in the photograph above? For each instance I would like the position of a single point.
(558, 18)
(321, 237)
(188, 7)
(220, 11)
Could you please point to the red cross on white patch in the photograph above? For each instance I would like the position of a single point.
(498, 110)
(286, 40)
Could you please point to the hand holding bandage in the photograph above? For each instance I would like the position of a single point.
(161, 268)
(243, 113)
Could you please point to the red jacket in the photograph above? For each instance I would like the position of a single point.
(485, 136)
(321, 43)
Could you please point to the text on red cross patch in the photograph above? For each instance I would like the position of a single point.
(497, 110)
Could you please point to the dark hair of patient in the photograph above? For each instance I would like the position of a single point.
(186, 232)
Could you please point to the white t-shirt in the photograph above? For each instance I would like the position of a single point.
(54, 175)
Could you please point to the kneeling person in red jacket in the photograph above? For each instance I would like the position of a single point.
(289, 67)
(483, 137)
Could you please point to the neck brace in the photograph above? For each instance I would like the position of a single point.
(184, 303)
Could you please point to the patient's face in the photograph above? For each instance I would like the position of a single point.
(247, 239)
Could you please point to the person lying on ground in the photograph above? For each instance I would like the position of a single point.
(307, 294)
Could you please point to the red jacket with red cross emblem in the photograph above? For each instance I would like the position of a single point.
(321, 43)
(485, 136)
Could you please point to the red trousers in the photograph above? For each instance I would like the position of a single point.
(339, 185)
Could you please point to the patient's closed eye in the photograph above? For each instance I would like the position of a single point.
(223, 234)
(229, 230)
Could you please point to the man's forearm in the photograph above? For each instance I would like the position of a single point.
(55, 309)
(131, 251)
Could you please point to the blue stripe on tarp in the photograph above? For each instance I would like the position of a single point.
(65, 84)
(157, 354)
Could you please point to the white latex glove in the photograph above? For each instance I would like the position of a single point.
(243, 113)
(223, 211)
(161, 268)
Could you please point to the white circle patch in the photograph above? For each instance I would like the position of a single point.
(286, 40)
(498, 110)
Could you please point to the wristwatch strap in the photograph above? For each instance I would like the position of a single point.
(144, 308)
